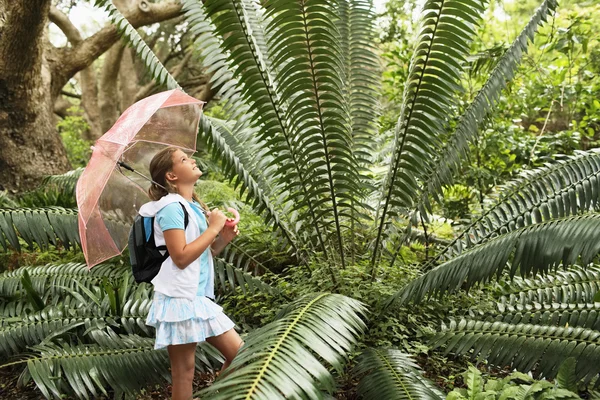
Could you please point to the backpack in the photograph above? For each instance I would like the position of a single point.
(146, 258)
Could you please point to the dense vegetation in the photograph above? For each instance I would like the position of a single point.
(385, 247)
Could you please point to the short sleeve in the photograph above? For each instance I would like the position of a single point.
(171, 217)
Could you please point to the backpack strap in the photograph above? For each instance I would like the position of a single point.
(186, 221)
(186, 217)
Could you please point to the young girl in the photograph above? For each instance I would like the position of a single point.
(182, 311)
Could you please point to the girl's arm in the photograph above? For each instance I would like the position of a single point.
(225, 236)
(184, 254)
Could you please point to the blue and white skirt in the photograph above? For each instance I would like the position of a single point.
(180, 321)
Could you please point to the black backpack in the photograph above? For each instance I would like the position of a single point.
(146, 258)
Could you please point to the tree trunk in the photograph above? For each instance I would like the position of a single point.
(33, 74)
(109, 94)
(29, 145)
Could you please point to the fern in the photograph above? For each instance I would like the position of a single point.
(42, 226)
(533, 249)
(392, 374)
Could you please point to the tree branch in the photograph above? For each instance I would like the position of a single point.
(65, 25)
(70, 61)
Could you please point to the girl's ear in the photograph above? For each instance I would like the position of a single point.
(171, 176)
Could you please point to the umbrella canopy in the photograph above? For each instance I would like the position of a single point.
(109, 195)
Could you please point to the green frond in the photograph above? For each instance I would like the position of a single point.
(246, 147)
(66, 182)
(306, 51)
(555, 314)
(153, 65)
(557, 190)
(252, 66)
(230, 278)
(12, 308)
(124, 363)
(576, 286)
(448, 161)
(232, 168)
(43, 326)
(392, 374)
(443, 43)
(566, 377)
(357, 38)
(42, 226)
(133, 316)
(278, 360)
(531, 250)
(51, 278)
(6, 200)
(223, 81)
(525, 347)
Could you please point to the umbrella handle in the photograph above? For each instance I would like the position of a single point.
(228, 222)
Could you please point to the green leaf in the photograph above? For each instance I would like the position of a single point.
(392, 374)
(278, 360)
(34, 298)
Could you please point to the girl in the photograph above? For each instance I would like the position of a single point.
(182, 311)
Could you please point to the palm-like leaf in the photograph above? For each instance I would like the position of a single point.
(66, 182)
(456, 148)
(231, 278)
(43, 326)
(533, 249)
(232, 166)
(437, 64)
(523, 346)
(124, 363)
(556, 314)
(52, 278)
(567, 187)
(392, 374)
(575, 286)
(232, 21)
(158, 72)
(277, 360)
(42, 226)
(541, 324)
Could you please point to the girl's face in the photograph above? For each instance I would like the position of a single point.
(184, 169)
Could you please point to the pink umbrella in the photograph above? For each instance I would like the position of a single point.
(115, 182)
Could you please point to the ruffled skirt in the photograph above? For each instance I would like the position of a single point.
(180, 321)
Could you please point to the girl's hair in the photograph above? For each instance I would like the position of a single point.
(161, 163)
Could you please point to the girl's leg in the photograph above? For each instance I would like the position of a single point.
(228, 344)
(183, 365)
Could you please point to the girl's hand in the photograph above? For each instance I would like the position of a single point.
(229, 233)
(217, 219)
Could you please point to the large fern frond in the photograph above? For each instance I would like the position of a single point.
(232, 167)
(231, 278)
(437, 65)
(124, 363)
(42, 226)
(392, 374)
(576, 286)
(232, 20)
(525, 347)
(278, 360)
(44, 326)
(305, 47)
(567, 187)
(533, 249)
(449, 159)
(555, 314)
(157, 70)
(51, 278)
(66, 182)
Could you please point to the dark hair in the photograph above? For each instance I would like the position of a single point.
(161, 163)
